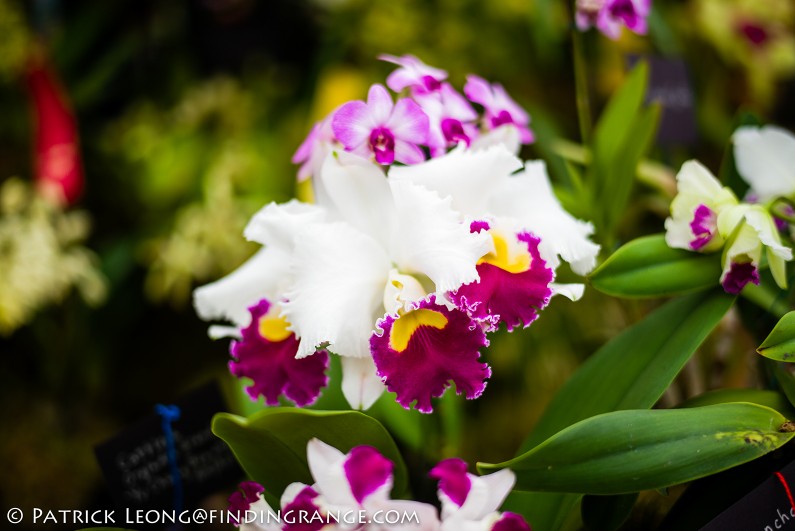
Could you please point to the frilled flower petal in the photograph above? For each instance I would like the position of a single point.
(528, 198)
(360, 384)
(432, 240)
(419, 353)
(467, 176)
(514, 283)
(339, 278)
(699, 200)
(279, 225)
(262, 276)
(266, 355)
(413, 74)
(505, 135)
(765, 158)
(355, 190)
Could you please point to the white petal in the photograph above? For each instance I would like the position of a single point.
(360, 385)
(432, 239)
(765, 158)
(777, 254)
(506, 135)
(220, 332)
(465, 175)
(280, 224)
(486, 494)
(573, 292)
(260, 517)
(326, 464)
(264, 275)
(339, 278)
(528, 197)
(357, 191)
(401, 291)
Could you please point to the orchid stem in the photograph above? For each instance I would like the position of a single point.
(581, 86)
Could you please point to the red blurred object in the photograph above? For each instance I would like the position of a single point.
(59, 173)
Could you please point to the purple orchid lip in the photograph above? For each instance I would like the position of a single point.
(739, 275)
(508, 292)
(756, 34)
(419, 353)
(367, 471)
(625, 11)
(453, 478)
(382, 143)
(266, 354)
(511, 522)
(703, 227)
(454, 133)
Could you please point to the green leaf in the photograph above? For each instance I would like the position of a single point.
(647, 267)
(271, 445)
(631, 371)
(607, 513)
(629, 451)
(762, 397)
(780, 344)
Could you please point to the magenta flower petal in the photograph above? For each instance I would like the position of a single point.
(351, 124)
(266, 355)
(478, 90)
(408, 153)
(367, 471)
(512, 290)
(500, 108)
(413, 74)
(740, 274)
(303, 504)
(379, 105)
(703, 227)
(511, 522)
(408, 122)
(419, 353)
(453, 479)
(240, 501)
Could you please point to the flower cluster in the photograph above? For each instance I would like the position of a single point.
(351, 491)
(707, 217)
(609, 15)
(402, 270)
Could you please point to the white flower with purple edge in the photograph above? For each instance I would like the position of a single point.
(383, 129)
(471, 503)
(707, 217)
(346, 485)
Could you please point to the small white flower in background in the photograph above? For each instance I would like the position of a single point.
(765, 159)
(707, 217)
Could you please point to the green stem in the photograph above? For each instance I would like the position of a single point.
(452, 423)
(581, 86)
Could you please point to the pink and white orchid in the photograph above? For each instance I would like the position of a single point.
(389, 132)
(500, 109)
(609, 15)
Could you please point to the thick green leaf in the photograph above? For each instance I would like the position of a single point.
(780, 344)
(607, 513)
(271, 445)
(629, 451)
(647, 267)
(632, 371)
(762, 397)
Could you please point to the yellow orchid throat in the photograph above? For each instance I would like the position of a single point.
(273, 327)
(404, 327)
(502, 257)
